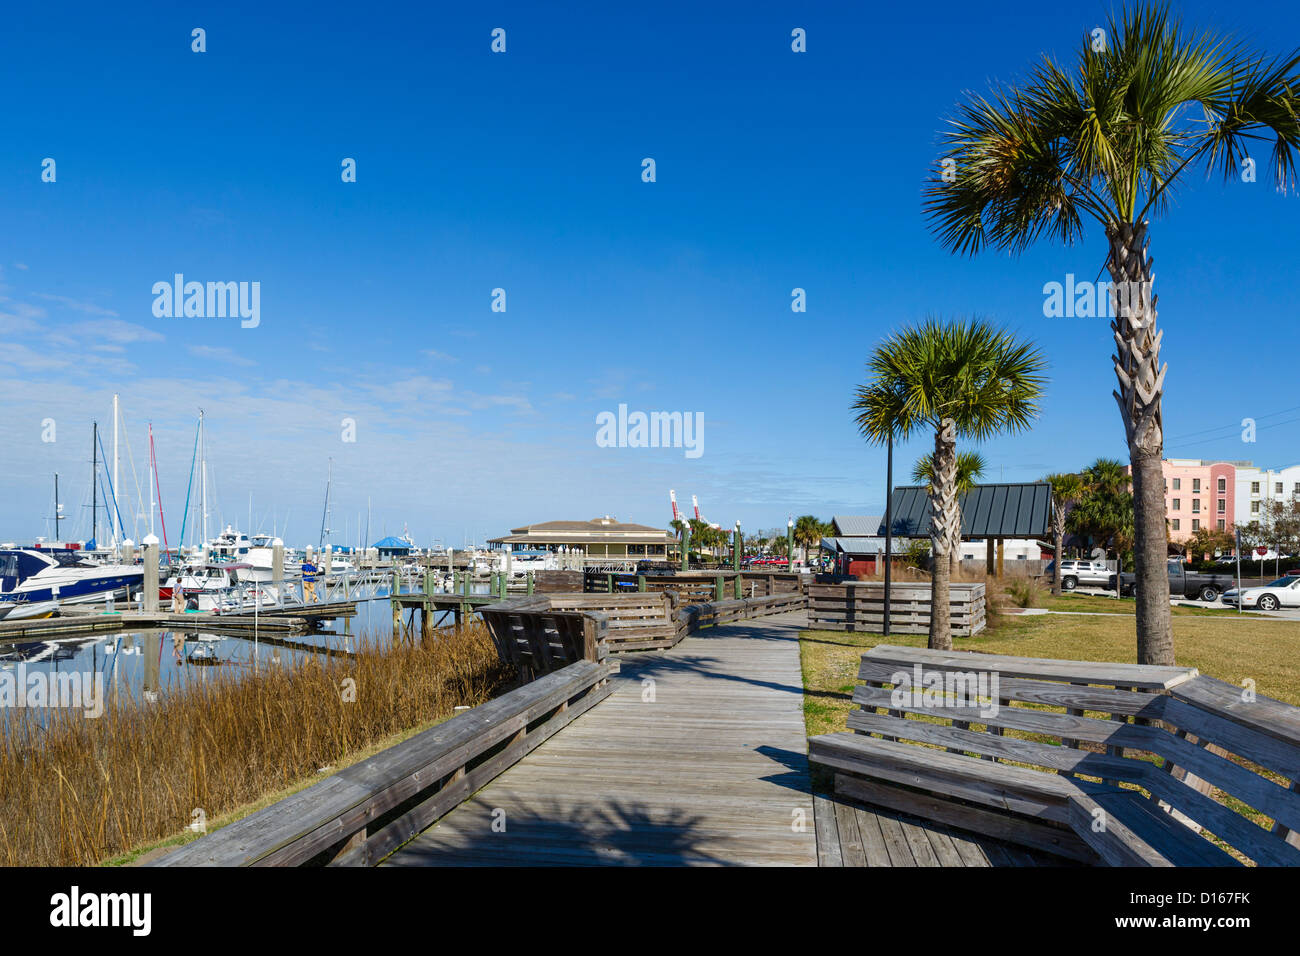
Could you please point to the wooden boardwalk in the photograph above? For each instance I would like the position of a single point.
(853, 834)
(712, 771)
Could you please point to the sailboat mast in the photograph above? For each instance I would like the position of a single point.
(115, 417)
(203, 480)
(324, 518)
(94, 482)
(58, 511)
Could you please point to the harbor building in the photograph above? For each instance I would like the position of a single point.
(599, 538)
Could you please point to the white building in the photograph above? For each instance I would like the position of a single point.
(1257, 486)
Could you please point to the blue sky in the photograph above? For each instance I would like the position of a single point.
(522, 171)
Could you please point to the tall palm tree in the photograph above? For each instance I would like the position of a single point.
(1066, 490)
(963, 378)
(970, 469)
(1105, 510)
(808, 533)
(1107, 137)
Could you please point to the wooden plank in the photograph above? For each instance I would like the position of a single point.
(1086, 672)
(873, 840)
(828, 832)
(1061, 842)
(851, 849)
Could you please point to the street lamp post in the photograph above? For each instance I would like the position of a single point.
(737, 544)
(889, 523)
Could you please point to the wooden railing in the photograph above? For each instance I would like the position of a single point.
(694, 617)
(359, 815)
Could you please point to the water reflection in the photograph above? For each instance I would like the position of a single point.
(144, 665)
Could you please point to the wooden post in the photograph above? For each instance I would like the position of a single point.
(1002, 554)
(530, 582)
(640, 583)
(739, 585)
(609, 583)
(719, 585)
(149, 596)
(590, 637)
(988, 566)
(277, 570)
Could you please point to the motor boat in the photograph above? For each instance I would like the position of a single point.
(27, 610)
(221, 586)
(37, 575)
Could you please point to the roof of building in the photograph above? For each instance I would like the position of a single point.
(392, 541)
(597, 530)
(987, 511)
(854, 545)
(857, 526)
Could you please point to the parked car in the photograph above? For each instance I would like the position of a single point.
(1076, 572)
(1284, 592)
(1182, 583)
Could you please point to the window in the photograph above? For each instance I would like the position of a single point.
(1196, 525)
(1220, 525)
(1277, 487)
(1254, 487)
(1223, 484)
(1223, 506)
(1297, 488)
(1254, 507)
(1196, 506)
(636, 549)
(1196, 484)
(1178, 484)
(1178, 504)
(1176, 523)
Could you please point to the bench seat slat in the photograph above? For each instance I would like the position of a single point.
(1082, 697)
(1082, 672)
(1065, 759)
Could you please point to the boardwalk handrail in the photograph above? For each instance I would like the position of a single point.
(362, 813)
(693, 617)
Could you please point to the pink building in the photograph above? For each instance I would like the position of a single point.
(1199, 494)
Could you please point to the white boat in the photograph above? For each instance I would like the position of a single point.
(35, 575)
(27, 610)
(223, 586)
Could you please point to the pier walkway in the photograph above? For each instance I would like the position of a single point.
(697, 758)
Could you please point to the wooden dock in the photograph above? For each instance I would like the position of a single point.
(712, 771)
(92, 619)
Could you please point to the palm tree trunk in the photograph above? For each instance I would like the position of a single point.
(1141, 387)
(943, 510)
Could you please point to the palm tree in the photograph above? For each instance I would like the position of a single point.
(962, 378)
(1066, 490)
(1106, 138)
(808, 533)
(1104, 511)
(970, 469)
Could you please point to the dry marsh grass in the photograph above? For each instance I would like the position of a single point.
(76, 791)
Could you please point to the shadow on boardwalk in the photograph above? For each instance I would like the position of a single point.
(552, 834)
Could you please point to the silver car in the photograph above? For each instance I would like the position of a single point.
(1080, 572)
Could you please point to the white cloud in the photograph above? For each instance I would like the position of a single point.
(218, 353)
(77, 305)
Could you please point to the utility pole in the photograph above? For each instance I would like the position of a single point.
(889, 523)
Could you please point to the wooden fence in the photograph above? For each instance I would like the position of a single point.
(860, 606)
(362, 813)
(698, 586)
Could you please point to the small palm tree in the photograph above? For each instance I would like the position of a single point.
(1107, 137)
(970, 469)
(962, 378)
(808, 531)
(1066, 490)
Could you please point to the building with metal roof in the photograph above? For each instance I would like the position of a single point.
(599, 537)
(987, 511)
(1015, 514)
(856, 526)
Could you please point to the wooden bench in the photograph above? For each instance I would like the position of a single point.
(1114, 763)
(636, 621)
